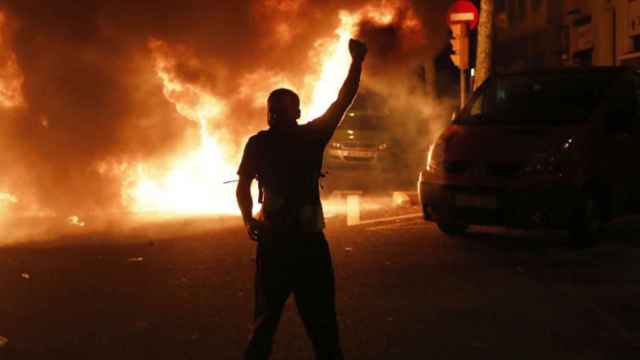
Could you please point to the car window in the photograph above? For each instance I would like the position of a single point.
(476, 106)
(538, 99)
(474, 109)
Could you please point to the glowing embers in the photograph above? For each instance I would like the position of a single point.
(11, 78)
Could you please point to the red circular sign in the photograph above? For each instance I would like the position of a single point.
(463, 11)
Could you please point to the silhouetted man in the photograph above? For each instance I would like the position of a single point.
(293, 255)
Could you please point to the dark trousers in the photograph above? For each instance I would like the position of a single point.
(298, 263)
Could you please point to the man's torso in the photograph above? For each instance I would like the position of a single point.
(289, 169)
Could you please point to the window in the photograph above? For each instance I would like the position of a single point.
(546, 99)
(476, 107)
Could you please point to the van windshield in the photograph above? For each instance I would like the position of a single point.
(538, 99)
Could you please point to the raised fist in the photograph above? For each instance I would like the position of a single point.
(358, 50)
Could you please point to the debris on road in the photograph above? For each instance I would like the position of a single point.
(135, 259)
(25, 276)
(348, 249)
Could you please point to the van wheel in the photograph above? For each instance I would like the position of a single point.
(453, 229)
(586, 222)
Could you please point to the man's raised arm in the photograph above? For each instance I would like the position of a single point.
(332, 117)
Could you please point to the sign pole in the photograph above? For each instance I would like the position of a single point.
(463, 87)
(462, 16)
(463, 69)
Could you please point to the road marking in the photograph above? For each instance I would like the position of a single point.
(393, 218)
(401, 226)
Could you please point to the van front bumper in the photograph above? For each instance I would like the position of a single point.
(516, 206)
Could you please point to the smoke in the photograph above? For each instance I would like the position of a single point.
(94, 105)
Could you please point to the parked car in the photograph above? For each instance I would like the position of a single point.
(548, 149)
(364, 150)
(361, 141)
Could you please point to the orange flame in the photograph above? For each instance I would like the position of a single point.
(6, 200)
(75, 221)
(11, 78)
(195, 183)
(335, 54)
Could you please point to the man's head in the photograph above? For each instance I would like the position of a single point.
(284, 108)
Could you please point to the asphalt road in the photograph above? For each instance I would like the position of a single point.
(183, 290)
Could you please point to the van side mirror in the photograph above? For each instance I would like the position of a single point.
(618, 121)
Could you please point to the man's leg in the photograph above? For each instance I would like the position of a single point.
(314, 290)
(272, 288)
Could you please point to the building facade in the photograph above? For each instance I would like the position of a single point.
(532, 34)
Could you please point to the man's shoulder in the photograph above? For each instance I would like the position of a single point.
(312, 128)
(259, 137)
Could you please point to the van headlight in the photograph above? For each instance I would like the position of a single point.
(383, 147)
(435, 157)
(336, 145)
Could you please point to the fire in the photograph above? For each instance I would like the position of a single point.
(75, 221)
(6, 200)
(195, 182)
(6, 197)
(336, 60)
(10, 75)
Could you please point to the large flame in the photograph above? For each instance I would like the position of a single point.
(334, 54)
(195, 183)
(11, 77)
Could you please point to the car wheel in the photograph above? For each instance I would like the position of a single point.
(452, 229)
(586, 222)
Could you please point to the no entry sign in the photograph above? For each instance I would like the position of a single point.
(463, 11)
